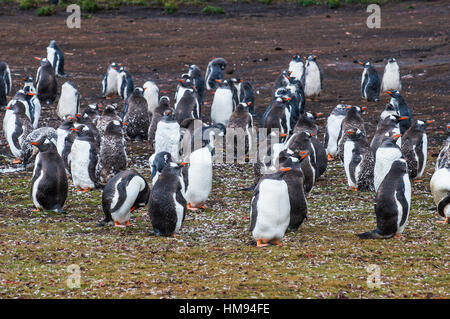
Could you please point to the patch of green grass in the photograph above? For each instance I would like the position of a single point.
(27, 4)
(90, 6)
(46, 11)
(333, 4)
(212, 10)
(307, 3)
(267, 2)
(170, 7)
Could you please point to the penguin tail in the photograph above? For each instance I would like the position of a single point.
(247, 189)
(373, 234)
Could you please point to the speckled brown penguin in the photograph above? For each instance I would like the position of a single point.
(241, 124)
(136, 115)
(46, 84)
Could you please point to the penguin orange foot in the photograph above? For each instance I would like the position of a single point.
(355, 189)
(117, 224)
(398, 236)
(36, 210)
(17, 161)
(443, 221)
(276, 242)
(330, 157)
(189, 206)
(261, 243)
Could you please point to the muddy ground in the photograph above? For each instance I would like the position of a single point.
(322, 259)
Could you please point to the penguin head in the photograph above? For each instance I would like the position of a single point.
(164, 100)
(236, 80)
(17, 107)
(243, 107)
(397, 118)
(43, 144)
(138, 90)
(312, 57)
(219, 62)
(68, 122)
(28, 79)
(365, 65)
(186, 82)
(83, 132)
(286, 74)
(161, 160)
(43, 61)
(92, 109)
(282, 91)
(116, 66)
(355, 134)
(355, 109)
(110, 110)
(289, 159)
(390, 107)
(297, 58)
(421, 126)
(169, 115)
(400, 166)
(114, 128)
(392, 60)
(394, 94)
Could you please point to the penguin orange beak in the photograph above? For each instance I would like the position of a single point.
(364, 108)
(389, 92)
(348, 107)
(74, 129)
(184, 163)
(304, 156)
(287, 99)
(362, 63)
(36, 58)
(70, 118)
(32, 94)
(302, 153)
(319, 114)
(249, 103)
(397, 135)
(181, 81)
(78, 115)
(218, 81)
(124, 123)
(403, 118)
(119, 64)
(283, 134)
(350, 132)
(8, 107)
(430, 121)
(34, 143)
(285, 169)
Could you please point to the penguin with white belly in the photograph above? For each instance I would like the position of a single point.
(358, 161)
(17, 128)
(297, 67)
(195, 74)
(69, 101)
(414, 148)
(440, 188)
(278, 118)
(402, 108)
(34, 106)
(113, 153)
(135, 114)
(151, 94)
(167, 205)
(391, 77)
(123, 194)
(333, 130)
(352, 120)
(110, 79)
(388, 127)
(158, 114)
(370, 83)
(222, 106)
(313, 78)
(167, 135)
(5, 82)
(214, 71)
(392, 203)
(125, 83)
(49, 185)
(56, 58)
(46, 85)
(186, 101)
(86, 121)
(385, 155)
(389, 109)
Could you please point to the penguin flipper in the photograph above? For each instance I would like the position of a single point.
(373, 234)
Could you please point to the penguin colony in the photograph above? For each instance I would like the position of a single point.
(89, 146)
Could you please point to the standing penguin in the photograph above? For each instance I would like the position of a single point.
(123, 194)
(241, 122)
(5, 82)
(313, 78)
(46, 85)
(186, 101)
(64, 141)
(214, 71)
(34, 106)
(370, 83)
(109, 114)
(167, 136)
(17, 128)
(110, 79)
(278, 119)
(125, 83)
(444, 154)
(69, 101)
(297, 67)
(414, 148)
(386, 128)
(113, 154)
(83, 160)
(391, 77)
(333, 130)
(49, 183)
(195, 74)
(358, 161)
(222, 106)
(389, 109)
(392, 203)
(386, 154)
(352, 120)
(244, 93)
(158, 114)
(270, 209)
(56, 58)
(136, 115)
(400, 105)
(151, 94)
(167, 206)
(440, 188)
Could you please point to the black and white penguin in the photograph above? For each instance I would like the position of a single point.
(29, 152)
(392, 203)
(195, 74)
(17, 128)
(291, 104)
(157, 115)
(92, 111)
(297, 68)
(440, 188)
(186, 101)
(306, 123)
(56, 58)
(389, 109)
(160, 161)
(370, 83)
(49, 185)
(278, 119)
(69, 101)
(298, 99)
(241, 124)
(223, 105)
(214, 71)
(124, 193)
(151, 94)
(46, 84)
(333, 130)
(84, 119)
(313, 78)
(352, 120)
(444, 154)
(167, 205)
(282, 80)
(109, 114)
(400, 105)
(136, 115)
(414, 148)
(65, 138)
(386, 128)
(270, 209)
(5, 82)
(113, 154)
(391, 77)
(386, 154)
(125, 83)
(358, 161)
(34, 106)
(110, 79)
(244, 92)
(167, 135)
(83, 160)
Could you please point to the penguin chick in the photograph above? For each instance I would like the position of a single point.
(137, 116)
(113, 154)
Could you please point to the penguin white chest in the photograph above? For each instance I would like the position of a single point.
(391, 78)
(167, 138)
(273, 208)
(122, 213)
(79, 165)
(313, 85)
(200, 176)
(402, 220)
(68, 101)
(383, 163)
(440, 187)
(333, 129)
(348, 156)
(222, 106)
(60, 141)
(10, 128)
(36, 183)
(297, 69)
(424, 152)
(151, 94)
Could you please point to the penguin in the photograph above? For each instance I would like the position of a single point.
(167, 205)
(270, 209)
(306, 123)
(109, 114)
(440, 188)
(83, 160)
(17, 128)
(370, 83)
(136, 115)
(286, 96)
(34, 108)
(195, 74)
(241, 123)
(28, 82)
(56, 58)
(92, 111)
(298, 99)
(389, 109)
(282, 80)
(386, 128)
(158, 114)
(5, 82)
(86, 121)
(414, 148)
(29, 152)
(123, 194)
(278, 118)
(392, 203)
(69, 101)
(113, 154)
(297, 67)
(110, 79)
(151, 94)
(333, 130)
(443, 156)
(64, 141)
(222, 106)
(400, 105)
(49, 185)
(186, 101)
(46, 84)
(391, 76)
(385, 155)
(313, 78)
(214, 71)
(167, 135)
(352, 120)
(125, 83)
(358, 161)
(159, 162)
(245, 93)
